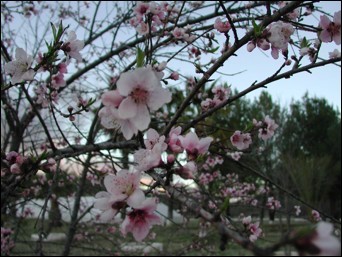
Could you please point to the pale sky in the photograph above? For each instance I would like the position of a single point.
(323, 82)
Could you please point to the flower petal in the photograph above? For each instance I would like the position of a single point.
(20, 55)
(128, 108)
(158, 97)
(112, 98)
(128, 129)
(135, 199)
(142, 118)
(108, 214)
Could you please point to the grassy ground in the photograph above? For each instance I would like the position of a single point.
(177, 240)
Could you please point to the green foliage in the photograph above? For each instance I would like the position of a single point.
(140, 57)
(310, 147)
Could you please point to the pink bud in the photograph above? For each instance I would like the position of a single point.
(174, 75)
(15, 168)
(250, 46)
(171, 159)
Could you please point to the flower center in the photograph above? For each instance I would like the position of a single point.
(333, 28)
(138, 216)
(139, 95)
(118, 205)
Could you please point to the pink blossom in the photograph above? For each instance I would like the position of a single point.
(298, 210)
(12, 157)
(187, 171)
(41, 92)
(62, 67)
(141, 8)
(210, 161)
(334, 54)
(189, 38)
(174, 75)
(318, 242)
(20, 69)
(135, 21)
(247, 220)
(6, 241)
(254, 202)
(207, 104)
(316, 216)
(255, 231)
(269, 126)
(50, 165)
(280, 33)
(323, 239)
(263, 44)
(331, 30)
(250, 46)
(153, 138)
(111, 119)
(15, 168)
(206, 178)
(173, 141)
(195, 146)
(219, 160)
(160, 67)
(143, 92)
(125, 185)
(58, 81)
(220, 94)
(178, 33)
(121, 188)
(279, 37)
(149, 158)
(140, 220)
(112, 98)
(142, 28)
(241, 140)
(273, 204)
(310, 51)
(222, 27)
(171, 159)
(73, 46)
(236, 155)
(109, 204)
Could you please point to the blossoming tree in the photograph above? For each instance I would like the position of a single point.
(104, 87)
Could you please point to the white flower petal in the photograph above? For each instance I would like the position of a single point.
(128, 108)
(135, 199)
(20, 55)
(142, 119)
(158, 97)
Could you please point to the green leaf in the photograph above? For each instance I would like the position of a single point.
(304, 43)
(140, 57)
(60, 29)
(53, 30)
(48, 46)
(225, 205)
(257, 28)
(213, 50)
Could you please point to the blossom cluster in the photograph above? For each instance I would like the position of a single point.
(6, 241)
(123, 188)
(220, 94)
(21, 69)
(128, 107)
(265, 128)
(276, 36)
(253, 229)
